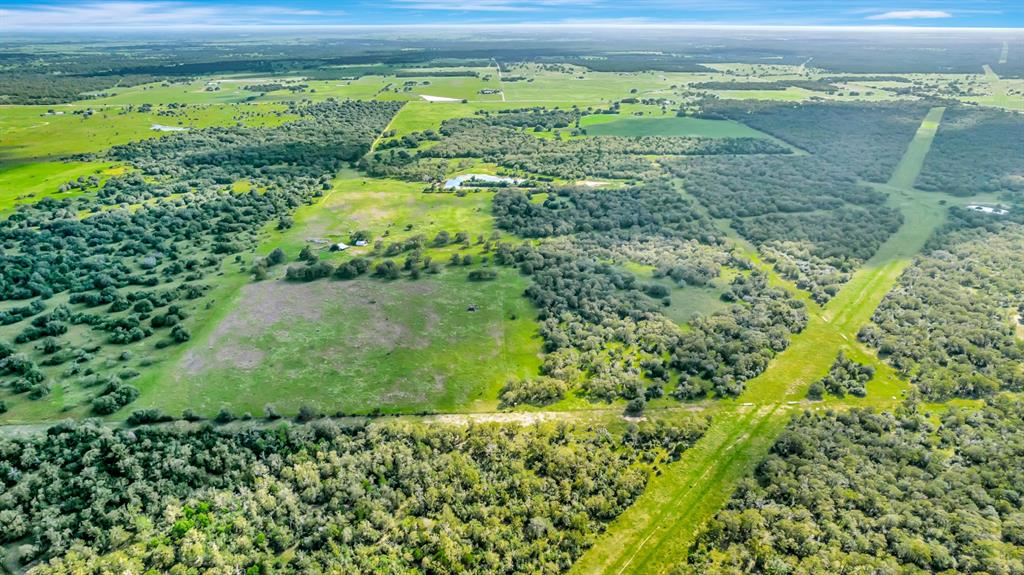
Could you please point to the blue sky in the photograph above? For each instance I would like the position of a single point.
(84, 14)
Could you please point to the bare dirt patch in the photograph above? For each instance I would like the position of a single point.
(240, 356)
(264, 308)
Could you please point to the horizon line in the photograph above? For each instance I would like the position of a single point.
(528, 25)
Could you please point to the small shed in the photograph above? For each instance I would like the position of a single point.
(338, 247)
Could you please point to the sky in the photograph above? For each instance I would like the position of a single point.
(187, 14)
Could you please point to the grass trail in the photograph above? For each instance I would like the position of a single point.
(655, 533)
(1000, 96)
(910, 165)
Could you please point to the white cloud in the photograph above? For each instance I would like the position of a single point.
(489, 5)
(910, 15)
(125, 14)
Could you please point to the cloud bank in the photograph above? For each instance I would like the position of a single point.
(910, 15)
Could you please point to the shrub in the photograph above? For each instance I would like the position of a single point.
(482, 275)
(145, 416)
(224, 416)
(306, 414)
(533, 391)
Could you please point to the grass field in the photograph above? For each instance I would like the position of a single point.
(229, 89)
(361, 345)
(655, 533)
(420, 115)
(31, 182)
(30, 134)
(357, 346)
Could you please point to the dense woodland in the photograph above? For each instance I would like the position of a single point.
(862, 492)
(811, 215)
(989, 141)
(952, 324)
(320, 498)
(873, 136)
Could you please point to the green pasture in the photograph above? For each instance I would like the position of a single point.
(595, 87)
(31, 182)
(32, 134)
(417, 116)
(360, 345)
(391, 210)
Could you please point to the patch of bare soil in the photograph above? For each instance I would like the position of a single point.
(240, 356)
(263, 305)
(192, 362)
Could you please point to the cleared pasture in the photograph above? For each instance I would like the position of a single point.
(33, 134)
(358, 346)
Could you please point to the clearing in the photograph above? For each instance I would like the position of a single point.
(354, 347)
(426, 352)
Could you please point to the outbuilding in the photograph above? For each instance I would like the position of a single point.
(988, 209)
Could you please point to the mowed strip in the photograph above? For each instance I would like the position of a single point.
(654, 534)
